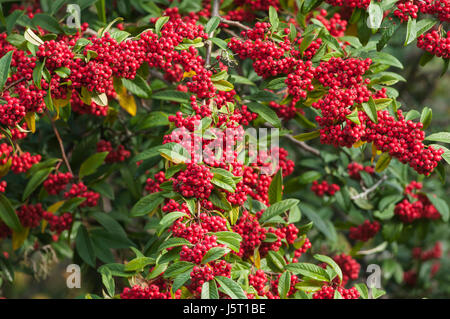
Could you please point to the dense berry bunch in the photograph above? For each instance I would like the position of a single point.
(56, 183)
(406, 10)
(57, 223)
(433, 253)
(114, 155)
(362, 4)
(365, 231)
(150, 292)
(349, 266)
(327, 292)
(152, 185)
(23, 162)
(320, 189)
(80, 190)
(422, 208)
(435, 44)
(300, 251)
(335, 25)
(258, 281)
(195, 181)
(30, 215)
(252, 234)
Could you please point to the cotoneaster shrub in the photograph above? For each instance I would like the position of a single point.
(102, 127)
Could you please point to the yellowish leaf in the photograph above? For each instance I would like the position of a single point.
(44, 225)
(4, 169)
(30, 119)
(358, 144)
(127, 102)
(55, 206)
(19, 237)
(375, 152)
(189, 74)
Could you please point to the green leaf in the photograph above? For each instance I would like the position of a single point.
(423, 25)
(138, 86)
(47, 22)
(168, 219)
(223, 85)
(212, 24)
(386, 35)
(84, 246)
(265, 112)
(5, 63)
(71, 204)
(101, 10)
(307, 136)
(276, 188)
(173, 242)
(214, 253)
(171, 95)
(371, 110)
(441, 206)
(425, 117)
(354, 117)
(277, 209)
(383, 162)
(147, 204)
(209, 290)
(8, 214)
(160, 23)
(411, 31)
(139, 263)
(363, 291)
(108, 281)
(443, 137)
(230, 287)
(308, 270)
(36, 179)
(284, 284)
(231, 239)
(273, 19)
(276, 261)
(110, 224)
(330, 262)
(178, 268)
(91, 164)
(375, 15)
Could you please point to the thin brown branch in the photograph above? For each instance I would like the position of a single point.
(235, 24)
(303, 145)
(60, 142)
(214, 13)
(14, 84)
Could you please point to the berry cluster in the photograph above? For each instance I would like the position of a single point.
(355, 168)
(320, 189)
(349, 266)
(252, 234)
(406, 10)
(57, 223)
(55, 183)
(23, 162)
(80, 190)
(152, 185)
(114, 155)
(365, 231)
(420, 209)
(30, 215)
(327, 292)
(433, 253)
(434, 43)
(195, 181)
(150, 292)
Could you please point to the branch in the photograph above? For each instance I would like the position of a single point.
(235, 24)
(214, 13)
(370, 190)
(61, 145)
(14, 84)
(303, 145)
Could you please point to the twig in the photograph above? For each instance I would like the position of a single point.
(370, 190)
(14, 84)
(235, 24)
(61, 145)
(214, 13)
(303, 145)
